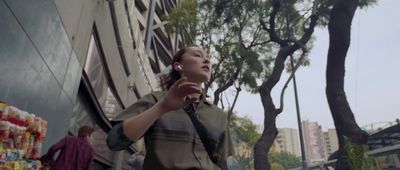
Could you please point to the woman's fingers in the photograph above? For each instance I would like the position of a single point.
(182, 82)
(181, 90)
(187, 84)
(182, 87)
(189, 88)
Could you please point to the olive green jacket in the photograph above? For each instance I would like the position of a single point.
(172, 141)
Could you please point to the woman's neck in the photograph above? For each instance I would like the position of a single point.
(196, 95)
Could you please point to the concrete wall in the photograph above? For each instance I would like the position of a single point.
(40, 73)
(44, 45)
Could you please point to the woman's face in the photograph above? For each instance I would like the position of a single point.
(195, 65)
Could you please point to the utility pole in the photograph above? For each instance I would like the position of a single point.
(303, 152)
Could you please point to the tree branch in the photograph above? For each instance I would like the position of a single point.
(222, 102)
(279, 66)
(226, 99)
(255, 36)
(298, 64)
(310, 30)
(228, 84)
(230, 112)
(276, 4)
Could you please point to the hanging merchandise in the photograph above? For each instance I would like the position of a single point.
(21, 137)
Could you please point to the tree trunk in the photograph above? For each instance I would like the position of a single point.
(339, 31)
(230, 112)
(341, 162)
(263, 145)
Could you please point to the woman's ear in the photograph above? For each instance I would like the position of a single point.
(178, 67)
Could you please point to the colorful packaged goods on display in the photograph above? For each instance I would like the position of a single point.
(21, 137)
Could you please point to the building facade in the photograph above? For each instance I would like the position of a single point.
(331, 143)
(288, 141)
(313, 142)
(80, 62)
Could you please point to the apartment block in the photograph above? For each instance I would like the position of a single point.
(330, 142)
(313, 142)
(288, 141)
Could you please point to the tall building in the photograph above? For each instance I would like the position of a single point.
(80, 62)
(288, 141)
(330, 143)
(313, 141)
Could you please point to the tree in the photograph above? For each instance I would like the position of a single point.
(247, 49)
(339, 40)
(236, 46)
(288, 30)
(288, 43)
(287, 160)
(245, 129)
(183, 19)
(245, 134)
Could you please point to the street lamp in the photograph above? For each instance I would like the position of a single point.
(303, 152)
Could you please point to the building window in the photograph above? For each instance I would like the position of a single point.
(85, 114)
(100, 81)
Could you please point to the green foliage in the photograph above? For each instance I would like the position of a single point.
(244, 133)
(234, 26)
(287, 160)
(245, 129)
(358, 158)
(184, 18)
(230, 29)
(277, 166)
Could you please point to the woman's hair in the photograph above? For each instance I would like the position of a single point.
(174, 75)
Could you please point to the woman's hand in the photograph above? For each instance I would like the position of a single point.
(177, 95)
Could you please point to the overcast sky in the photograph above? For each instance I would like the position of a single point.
(372, 83)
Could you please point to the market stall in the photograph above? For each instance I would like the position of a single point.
(21, 137)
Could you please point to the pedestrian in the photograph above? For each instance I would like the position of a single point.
(181, 129)
(76, 153)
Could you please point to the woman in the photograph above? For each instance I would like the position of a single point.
(171, 139)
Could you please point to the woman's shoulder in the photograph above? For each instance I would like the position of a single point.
(159, 93)
(215, 109)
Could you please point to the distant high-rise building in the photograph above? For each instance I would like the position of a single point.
(288, 141)
(319, 144)
(330, 142)
(313, 141)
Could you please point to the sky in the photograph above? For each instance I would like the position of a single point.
(372, 85)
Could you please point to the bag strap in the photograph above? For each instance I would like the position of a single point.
(203, 134)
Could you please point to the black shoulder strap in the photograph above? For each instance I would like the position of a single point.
(201, 130)
(209, 143)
